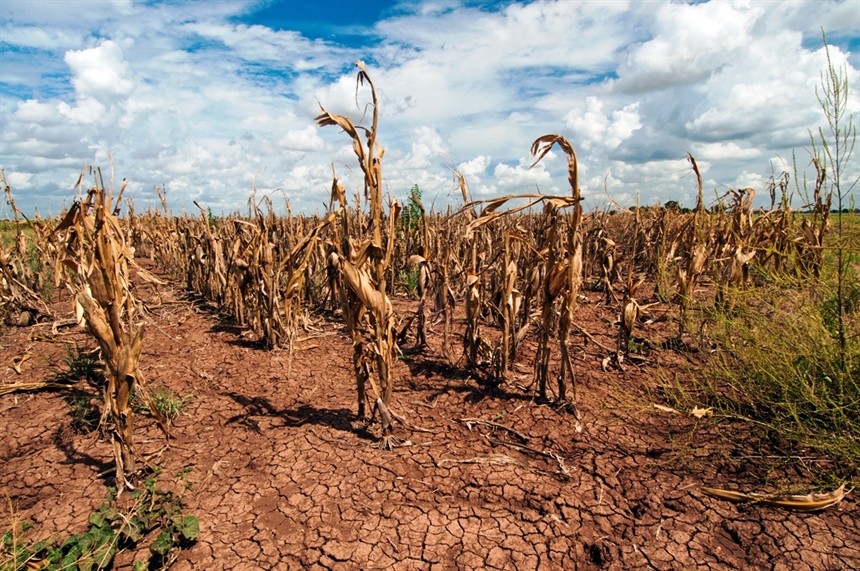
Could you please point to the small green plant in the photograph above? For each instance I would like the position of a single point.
(410, 218)
(832, 151)
(178, 530)
(111, 530)
(37, 268)
(409, 280)
(168, 403)
(85, 415)
(500, 415)
(80, 365)
(180, 475)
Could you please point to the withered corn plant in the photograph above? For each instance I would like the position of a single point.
(444, 300)
(506, 297)
(100, 260)
(695, 238)
(810, 242)
(773, 238)
(452, 257)
(734, 245)
(599, 254)
(207, 271)
(564, 268)
(359, 265)
(25, 268)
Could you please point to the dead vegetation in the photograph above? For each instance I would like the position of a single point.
(518, 267)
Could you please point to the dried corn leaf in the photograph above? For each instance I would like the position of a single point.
(16, 361)
(494, 205)
(556, 279)
(96, 322)
(701, 412)
(360, 283)
(6, 389)
(807, 503)
(489, 214)
(631, 314)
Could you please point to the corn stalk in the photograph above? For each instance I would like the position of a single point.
(564, 275)
(359, 266)
(20, 283)
(98, 254)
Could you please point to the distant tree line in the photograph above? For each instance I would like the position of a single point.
(676, 206)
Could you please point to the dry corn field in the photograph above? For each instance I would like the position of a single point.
(388, 387)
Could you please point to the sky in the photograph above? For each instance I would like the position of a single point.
(214, 101)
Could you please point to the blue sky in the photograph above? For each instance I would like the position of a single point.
(215, 100)
(348, 22)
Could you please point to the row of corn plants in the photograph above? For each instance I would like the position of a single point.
(517, 264)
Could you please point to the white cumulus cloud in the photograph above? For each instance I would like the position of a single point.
(593, 127)
(307, 139)
(100, 72)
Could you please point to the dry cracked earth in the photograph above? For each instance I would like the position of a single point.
(282, 477)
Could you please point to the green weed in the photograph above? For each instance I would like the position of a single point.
(85, 415)
(80, 365)
(168, 403)
(111, 530)
(409, 280)
(778, 365)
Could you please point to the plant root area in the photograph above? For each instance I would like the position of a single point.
(268, 454)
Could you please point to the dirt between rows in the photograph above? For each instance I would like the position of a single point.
(282, 477)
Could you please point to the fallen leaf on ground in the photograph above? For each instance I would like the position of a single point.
(807, 503)
(666, 408)
(16, 361)
(701, 412)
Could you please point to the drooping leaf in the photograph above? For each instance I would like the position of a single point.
(162, 544)
(190, 528)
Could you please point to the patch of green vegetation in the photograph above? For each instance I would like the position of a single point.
(778, 366)
(80, 365)
(410, 217)
(85, 415)
(168, 403)
(409, 280)
(111, 530)
(42, 282)
(9, 232)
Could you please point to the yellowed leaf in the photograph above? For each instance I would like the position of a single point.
(807, 503)
(701, 412)
(16, 361)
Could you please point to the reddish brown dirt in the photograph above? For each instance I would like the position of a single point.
(282, 479)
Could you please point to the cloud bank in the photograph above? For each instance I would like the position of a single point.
(201, 98)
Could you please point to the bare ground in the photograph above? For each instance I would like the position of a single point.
(282, 477)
